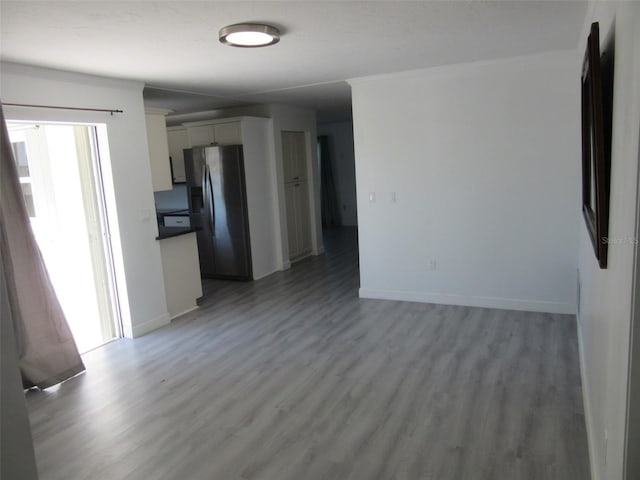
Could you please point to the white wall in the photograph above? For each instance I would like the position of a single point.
(344, 169)
(606, 295)
(262, 206)
(482, 159)
(128, 174)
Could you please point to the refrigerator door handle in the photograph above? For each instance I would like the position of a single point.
(212, 217)
(204, 186)
(213, 205)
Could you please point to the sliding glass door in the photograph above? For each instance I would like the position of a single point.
(60, 174)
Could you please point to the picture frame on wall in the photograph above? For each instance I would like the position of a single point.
(596, 151)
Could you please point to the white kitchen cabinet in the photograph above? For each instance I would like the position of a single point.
(200, 135)
(294, 156)
(304, 221)
(178, 141)
(158, 149)
(296, 194)
(292, 231)
(225, 133)
(298, 224)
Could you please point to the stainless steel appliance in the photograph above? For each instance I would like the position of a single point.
(218, 207)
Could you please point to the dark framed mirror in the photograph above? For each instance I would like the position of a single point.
(596, 149)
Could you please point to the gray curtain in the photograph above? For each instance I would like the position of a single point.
(46, 348)
(330, 208)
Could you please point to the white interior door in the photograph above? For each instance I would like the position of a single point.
(292, 222)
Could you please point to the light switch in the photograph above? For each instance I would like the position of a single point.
(393, 197)
(372, 197)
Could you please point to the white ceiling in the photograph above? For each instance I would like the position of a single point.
(173, 47)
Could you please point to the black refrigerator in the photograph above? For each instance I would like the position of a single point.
(218, 209)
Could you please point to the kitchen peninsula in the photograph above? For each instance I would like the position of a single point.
(178, 247)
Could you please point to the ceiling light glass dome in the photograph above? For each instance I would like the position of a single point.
(249, 35)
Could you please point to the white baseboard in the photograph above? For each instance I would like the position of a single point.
(150, 325)
(300, 258)
(469, 301)
(195, 307)
(266, 274)
(587, 404)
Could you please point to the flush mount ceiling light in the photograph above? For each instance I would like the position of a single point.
(249, 35)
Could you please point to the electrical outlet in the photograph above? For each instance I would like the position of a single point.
(431, 265)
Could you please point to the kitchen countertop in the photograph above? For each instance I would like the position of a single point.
(169, 232)
(172, 212)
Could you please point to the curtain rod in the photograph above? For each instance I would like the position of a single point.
(108, 110)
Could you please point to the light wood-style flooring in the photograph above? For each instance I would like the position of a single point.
(294, 377)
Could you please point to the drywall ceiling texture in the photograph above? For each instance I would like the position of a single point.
(467, 183)
(173, 44)
(127, 175)
(606, 295)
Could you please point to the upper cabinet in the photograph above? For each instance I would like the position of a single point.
(227, 133)
(158, 149)
(294, 156)
(207, 133)
(178, 141)
(200, 135)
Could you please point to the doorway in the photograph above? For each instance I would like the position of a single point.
(336, 162)
(60, 175)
